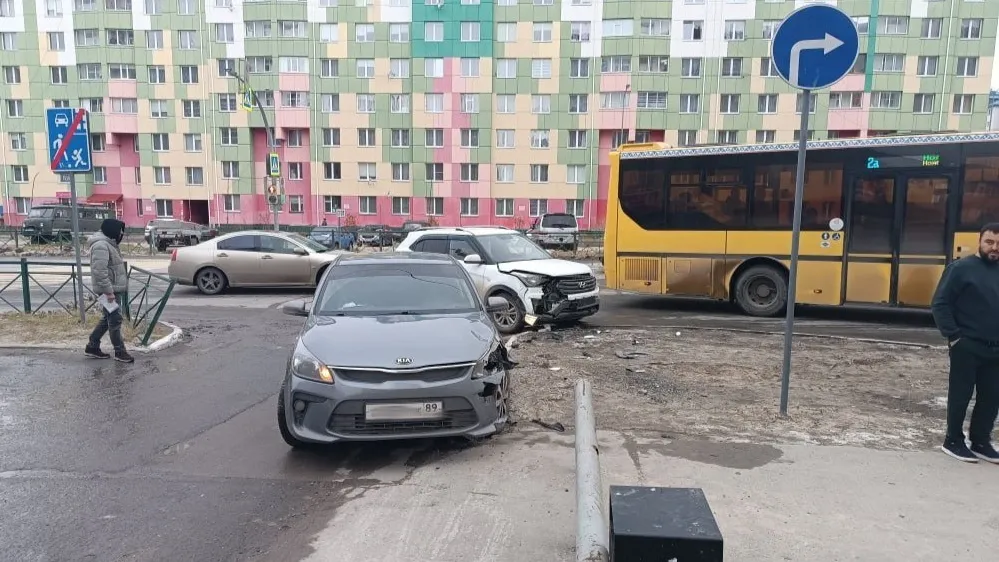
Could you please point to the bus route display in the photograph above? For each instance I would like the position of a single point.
(918, 161)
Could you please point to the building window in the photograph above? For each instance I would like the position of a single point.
(400, 171)
(577, 138)
(296, 204)
(164, 208)
(366, 137)
(400, 138)
(504, 207)
(435, 172)
(469, 138)
(230, 203)
(735, 30)
(194, 175)
(434, 138)
(538, 207)
(504, 173)
(400, 205)
(161, 175)
(332, 171)
(766, 137)
(161, 142)
(435, 206)
(539, 173)
(331, 203)
(469, 206)
(964, 104)
(575, 174)
(367, 171)
(368, 205)
(230, 170)
(575, 207)
(296, 171)
(922, 103)
(469, 173)
(228, 136)
(693, 30)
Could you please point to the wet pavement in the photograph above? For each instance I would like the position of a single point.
(178, 456)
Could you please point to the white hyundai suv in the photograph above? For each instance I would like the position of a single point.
(504, 263)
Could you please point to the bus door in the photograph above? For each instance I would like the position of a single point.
(897, 232)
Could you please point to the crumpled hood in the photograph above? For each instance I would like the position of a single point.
(376, 342)
(98, 237)
(551, 268)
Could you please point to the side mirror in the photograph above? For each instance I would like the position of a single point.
(473, 259)
(299, 307)
(496, 304)
(300, 251)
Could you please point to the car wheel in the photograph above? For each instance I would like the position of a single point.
(193, 241)
(503, 404)
(511, 319)
(162, 246)
(761, 291)
(211, 281)
(282, 418)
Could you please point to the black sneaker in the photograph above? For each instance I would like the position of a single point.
(95, 353)
(958, 450)
(986, 452)
(124, 357)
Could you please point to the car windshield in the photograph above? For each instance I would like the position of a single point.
(558, 221)
(39, 213)
(314, 246)
(391, 289)
(509, 247)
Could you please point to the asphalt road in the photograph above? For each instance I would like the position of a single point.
(178, 457)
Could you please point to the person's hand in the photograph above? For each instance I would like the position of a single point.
(109, 296)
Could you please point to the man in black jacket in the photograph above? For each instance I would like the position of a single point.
(966, 311)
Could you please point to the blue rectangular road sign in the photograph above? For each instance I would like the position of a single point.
(69, 140)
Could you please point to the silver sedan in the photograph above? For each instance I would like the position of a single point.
(251, 259)
(394, 346)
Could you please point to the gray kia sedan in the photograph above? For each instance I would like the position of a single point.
(395, 346)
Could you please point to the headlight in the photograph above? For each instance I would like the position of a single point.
(486, 366)
(308, 367)
(530, 279)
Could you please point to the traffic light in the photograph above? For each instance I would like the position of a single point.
(273, 197)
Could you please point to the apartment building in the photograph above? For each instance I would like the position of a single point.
(470, 111)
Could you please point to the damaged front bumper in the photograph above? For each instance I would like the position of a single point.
(548, 304)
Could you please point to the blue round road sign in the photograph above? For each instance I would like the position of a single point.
(815, 46)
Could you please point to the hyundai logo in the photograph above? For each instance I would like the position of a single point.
(403, 361)
(582, 284)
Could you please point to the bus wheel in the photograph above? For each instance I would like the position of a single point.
(761, 290)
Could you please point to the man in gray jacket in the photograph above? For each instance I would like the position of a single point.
(108, 278)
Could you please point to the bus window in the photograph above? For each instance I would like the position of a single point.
(980, 204)
(642, 196)
(688, 203)
(925, 217)
(773, 196)
(873, 216)
(728, 197)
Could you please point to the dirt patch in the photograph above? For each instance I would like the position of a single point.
(60, 329)
(726, 385)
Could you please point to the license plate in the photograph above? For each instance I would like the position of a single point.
(407, 411)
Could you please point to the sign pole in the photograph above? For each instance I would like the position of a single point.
(75, 220)
(814, 47)
(792, 284)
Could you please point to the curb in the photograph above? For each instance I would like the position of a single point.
(169, 340)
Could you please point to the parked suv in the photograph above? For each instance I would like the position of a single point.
(175, 232)
(504, 263)
(555, 230)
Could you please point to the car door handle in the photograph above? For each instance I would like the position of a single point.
(223, 255)
(266, 257)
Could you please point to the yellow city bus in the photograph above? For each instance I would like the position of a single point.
(881, 217)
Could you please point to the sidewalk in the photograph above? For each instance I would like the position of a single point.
(513, 498)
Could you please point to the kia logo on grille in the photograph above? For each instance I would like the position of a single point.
(403, 361)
